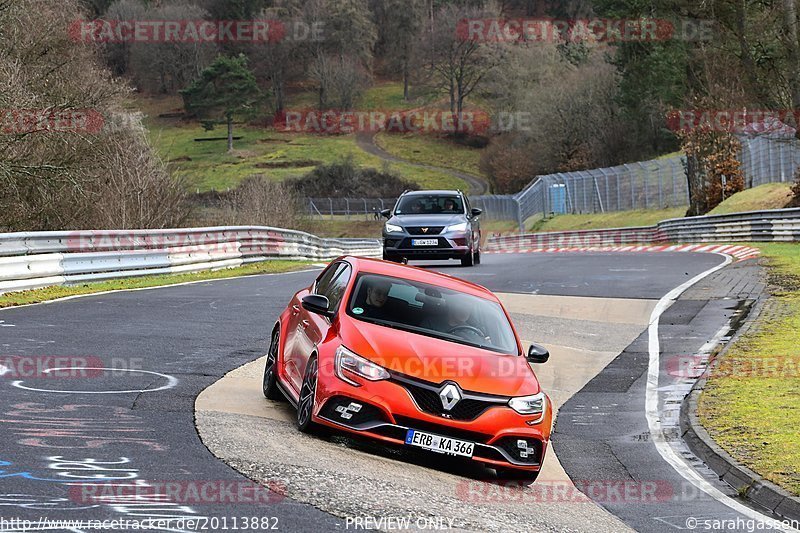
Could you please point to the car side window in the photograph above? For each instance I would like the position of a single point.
(324, 279)
(335, 290)
(468, 207)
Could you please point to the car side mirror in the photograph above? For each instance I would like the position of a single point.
(476, 212)
(386, 213)
(538, 354)
(318, 304)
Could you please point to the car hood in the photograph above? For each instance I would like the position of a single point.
(428, 220)
(435, 360)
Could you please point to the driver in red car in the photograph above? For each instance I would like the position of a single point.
(454, 320)
(374, 303)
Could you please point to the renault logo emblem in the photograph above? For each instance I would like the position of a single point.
(450, 395)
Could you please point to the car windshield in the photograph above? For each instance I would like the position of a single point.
(429, 205)
(433, 311)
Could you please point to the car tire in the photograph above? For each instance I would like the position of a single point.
(478, 256)
(308, 395)
(392, 258)
(512, 474)
(468, 260)
(270, 381)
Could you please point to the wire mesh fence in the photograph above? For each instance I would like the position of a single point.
(655, 184)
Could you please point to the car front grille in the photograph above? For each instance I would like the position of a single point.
(426, 396)
(424, 230)
(455, 433)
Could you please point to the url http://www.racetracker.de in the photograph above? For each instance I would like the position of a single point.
(200, 523)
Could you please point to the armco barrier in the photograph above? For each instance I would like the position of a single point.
(39, 259)
(754, 226)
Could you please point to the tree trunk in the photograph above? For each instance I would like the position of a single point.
(277, 86)
(748, 63)
(230, 133)
(452, 96)
(790, 18)
(405, 81)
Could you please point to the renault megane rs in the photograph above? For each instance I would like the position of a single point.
(412, 358)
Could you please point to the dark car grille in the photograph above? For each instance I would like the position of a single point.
(426, 396)
(463, 434)
(421, 230)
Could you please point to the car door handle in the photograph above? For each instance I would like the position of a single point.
(305, 323)
(295, 309)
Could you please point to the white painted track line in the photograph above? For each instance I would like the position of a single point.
(652, 412)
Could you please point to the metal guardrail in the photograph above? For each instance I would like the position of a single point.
(778, 225)
(38, 259)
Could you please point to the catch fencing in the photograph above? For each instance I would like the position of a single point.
(39, 259)
(655, 184)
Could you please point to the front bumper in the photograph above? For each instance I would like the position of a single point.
(450, 245)
(388, 411)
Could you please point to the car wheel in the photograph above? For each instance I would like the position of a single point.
(512, 474)
(392, 258)
(308, 394)
(468, 260)
(270, 384)
(478, 256)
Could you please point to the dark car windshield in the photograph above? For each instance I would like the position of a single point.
(432, 311)
(429, 205)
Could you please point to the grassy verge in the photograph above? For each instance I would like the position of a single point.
(431, 150)
(751, 405)
(621, 219)
(208, 166)
(768, 196)
(51, 293)
(278, 156)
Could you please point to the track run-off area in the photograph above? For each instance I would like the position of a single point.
(182, 411)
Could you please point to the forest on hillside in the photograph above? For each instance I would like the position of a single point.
(590, 102)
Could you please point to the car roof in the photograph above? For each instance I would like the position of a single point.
(398, 270)
(431, 193)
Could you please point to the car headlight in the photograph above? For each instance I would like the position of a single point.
(457, 227)
(346, 361)
(528, 405)
(391, 228)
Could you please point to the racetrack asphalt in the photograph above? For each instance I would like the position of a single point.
(191, 336)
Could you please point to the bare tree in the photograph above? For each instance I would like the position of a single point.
(69, 178)
(160, 67)
(459, 64)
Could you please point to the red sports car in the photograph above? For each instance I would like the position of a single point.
(413, 358)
